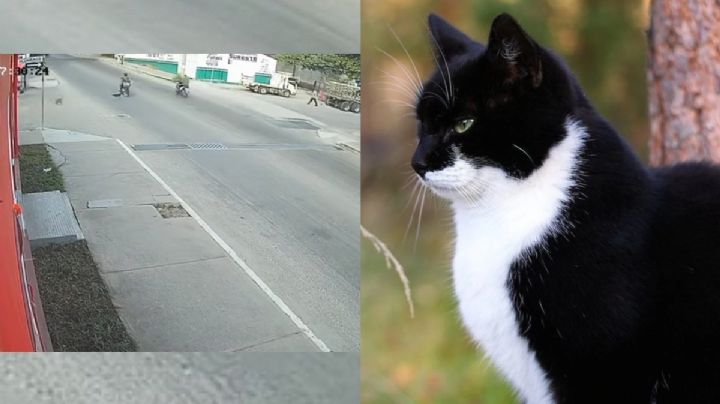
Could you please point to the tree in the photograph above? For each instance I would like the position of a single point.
(684, 81)
(327, 64)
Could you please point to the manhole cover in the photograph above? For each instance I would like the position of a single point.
(171, 210)
(294, 123)
(207, 146)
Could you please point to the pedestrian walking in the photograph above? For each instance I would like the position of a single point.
(313, 97)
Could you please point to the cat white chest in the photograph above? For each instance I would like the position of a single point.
(484, 252)
(511, 217)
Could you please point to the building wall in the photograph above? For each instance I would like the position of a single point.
(236, 66)
(22, 323)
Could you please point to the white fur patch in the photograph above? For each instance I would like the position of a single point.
(498, 218)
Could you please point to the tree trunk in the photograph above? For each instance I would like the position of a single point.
(684, 81)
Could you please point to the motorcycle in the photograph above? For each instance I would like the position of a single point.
(125, 88)
(181, 90)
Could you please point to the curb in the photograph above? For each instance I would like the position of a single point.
(349, 147)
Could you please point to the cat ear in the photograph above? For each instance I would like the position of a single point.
(510, 47)
(447, 41)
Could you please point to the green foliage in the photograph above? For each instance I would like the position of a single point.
(38, 172)
(328, 64)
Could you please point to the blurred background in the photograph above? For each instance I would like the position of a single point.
(430, 358)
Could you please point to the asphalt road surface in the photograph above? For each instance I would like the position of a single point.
(217, 26)
(292, 215)
(173, 378)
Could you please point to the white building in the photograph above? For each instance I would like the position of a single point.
(223, 67)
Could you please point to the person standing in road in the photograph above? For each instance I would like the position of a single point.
(124, 79)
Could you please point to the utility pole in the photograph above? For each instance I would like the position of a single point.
(42, 97)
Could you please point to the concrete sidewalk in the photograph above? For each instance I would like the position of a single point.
(175, 288)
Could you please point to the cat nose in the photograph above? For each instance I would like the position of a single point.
(420, 165)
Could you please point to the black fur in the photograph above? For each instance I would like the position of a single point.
(624, 307)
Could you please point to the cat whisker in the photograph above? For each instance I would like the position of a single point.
(397, 103)
(525, 153)
(394, 82)
(410, 181)
(439, 97)
(403, 68)
(448, 85)
(420, 213)
(416, 189)
(412, 216)
(397, 80)
(417, 75)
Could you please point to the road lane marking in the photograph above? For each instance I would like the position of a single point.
(234, 256)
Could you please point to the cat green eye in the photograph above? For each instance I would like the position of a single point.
(463, 125)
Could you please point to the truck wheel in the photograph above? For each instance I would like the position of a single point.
(355, 107)
(345, 106)
(263, 90)
(286, 93)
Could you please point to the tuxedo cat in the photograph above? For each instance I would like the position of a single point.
(585, 276)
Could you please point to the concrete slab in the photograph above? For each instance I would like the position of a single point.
(132, 188)
(202, 306)
(38, 83)
(105, 203)
(132, 237)
(66, 147)
(68, 136)
(50, 219)
(31, 137)
(97, 162)
(296, 342)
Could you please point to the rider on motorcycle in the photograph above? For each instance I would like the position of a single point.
(182, 82)
(124, 79)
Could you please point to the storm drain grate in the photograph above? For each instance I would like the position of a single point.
(207, 146)
(294, 123)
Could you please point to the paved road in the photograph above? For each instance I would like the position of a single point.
(292, 215)
(125, 26)
(213, 378)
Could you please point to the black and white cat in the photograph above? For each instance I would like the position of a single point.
(585, 276)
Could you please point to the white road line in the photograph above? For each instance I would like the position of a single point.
(239, 261)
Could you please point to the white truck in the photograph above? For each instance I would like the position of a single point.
(343, 96)
(274, 83)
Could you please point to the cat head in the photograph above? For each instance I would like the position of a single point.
(489, 111)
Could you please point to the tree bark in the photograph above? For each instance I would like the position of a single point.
(684, 81)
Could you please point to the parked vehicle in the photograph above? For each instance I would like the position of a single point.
(274, 83)
(343, 96)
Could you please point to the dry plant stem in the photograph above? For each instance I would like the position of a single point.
(392, 263)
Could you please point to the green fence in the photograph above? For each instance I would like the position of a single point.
(162, 65)
(204, 73)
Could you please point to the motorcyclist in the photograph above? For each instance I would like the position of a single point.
(124, 79)
(183, 81)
